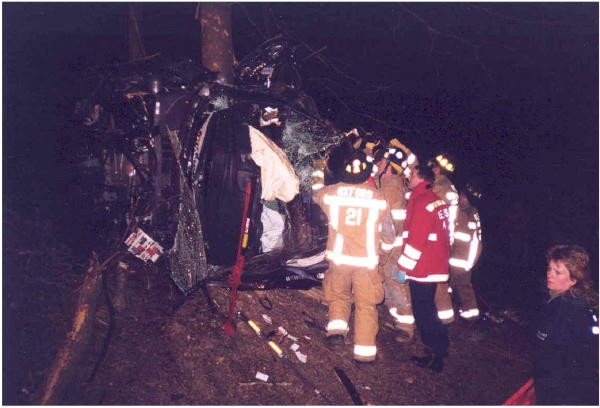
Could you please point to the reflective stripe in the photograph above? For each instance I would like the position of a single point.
(338, 246)
(472, 225)
(446, 314)
(413, 252)
(404, 319)
(432, 206)
(432, 237)
(340, 259)
(318, 173)
(406, 262)
(318, 186)
(452, 197)
(398, 242)
(399, 215)
(453, 210)
(430, 278)
(467, 314)
(472, 251)
(458, 263)
(365, 351)
(461, 236)
(338, 324)
(387, 247)
(364, 201)
(367, 202)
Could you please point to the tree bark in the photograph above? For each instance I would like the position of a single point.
(217, 44)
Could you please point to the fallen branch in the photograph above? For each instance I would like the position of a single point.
(69, 356)
(264, 383)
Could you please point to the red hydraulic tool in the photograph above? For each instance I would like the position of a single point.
(235, 278)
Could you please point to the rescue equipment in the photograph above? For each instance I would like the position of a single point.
(235, 278)
(284, 358)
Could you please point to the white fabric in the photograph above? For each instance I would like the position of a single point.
(278, 177)
(273, 225)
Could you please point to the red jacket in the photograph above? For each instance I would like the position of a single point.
(426, 248)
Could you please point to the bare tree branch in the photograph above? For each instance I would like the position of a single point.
(522, 20)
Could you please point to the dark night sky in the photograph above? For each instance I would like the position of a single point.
(510, 88)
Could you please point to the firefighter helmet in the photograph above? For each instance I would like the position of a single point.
(473, 192)
(443, 161)
(400, 157)
(356, 168)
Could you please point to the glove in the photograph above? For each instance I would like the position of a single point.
(400, 276)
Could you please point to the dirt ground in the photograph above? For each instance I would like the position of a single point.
(165, 348)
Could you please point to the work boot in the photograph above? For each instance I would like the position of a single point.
(430, 361)
(403, 336)
(335, 340)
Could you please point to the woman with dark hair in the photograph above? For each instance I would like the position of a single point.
(566, 338)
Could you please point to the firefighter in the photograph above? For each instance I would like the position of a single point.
(442, 166)
(359, 221)
(424, 263)
(465, 253)
(392, 165)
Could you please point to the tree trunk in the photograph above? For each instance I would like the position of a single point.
(217, 44)
(135, 40)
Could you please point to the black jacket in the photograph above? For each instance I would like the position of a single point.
(566, 353)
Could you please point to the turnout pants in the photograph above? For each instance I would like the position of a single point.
(443, 302)
(344, 284)
(460, 281)
(433, 332)
(397, 295)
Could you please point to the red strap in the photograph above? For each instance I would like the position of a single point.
(235, 278)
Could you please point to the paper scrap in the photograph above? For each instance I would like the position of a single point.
(142, 246)
(294, 347)
(301, 357)
(262, 376)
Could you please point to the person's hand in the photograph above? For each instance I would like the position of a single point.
(400, 275)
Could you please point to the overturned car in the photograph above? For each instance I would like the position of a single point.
(206, 174)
